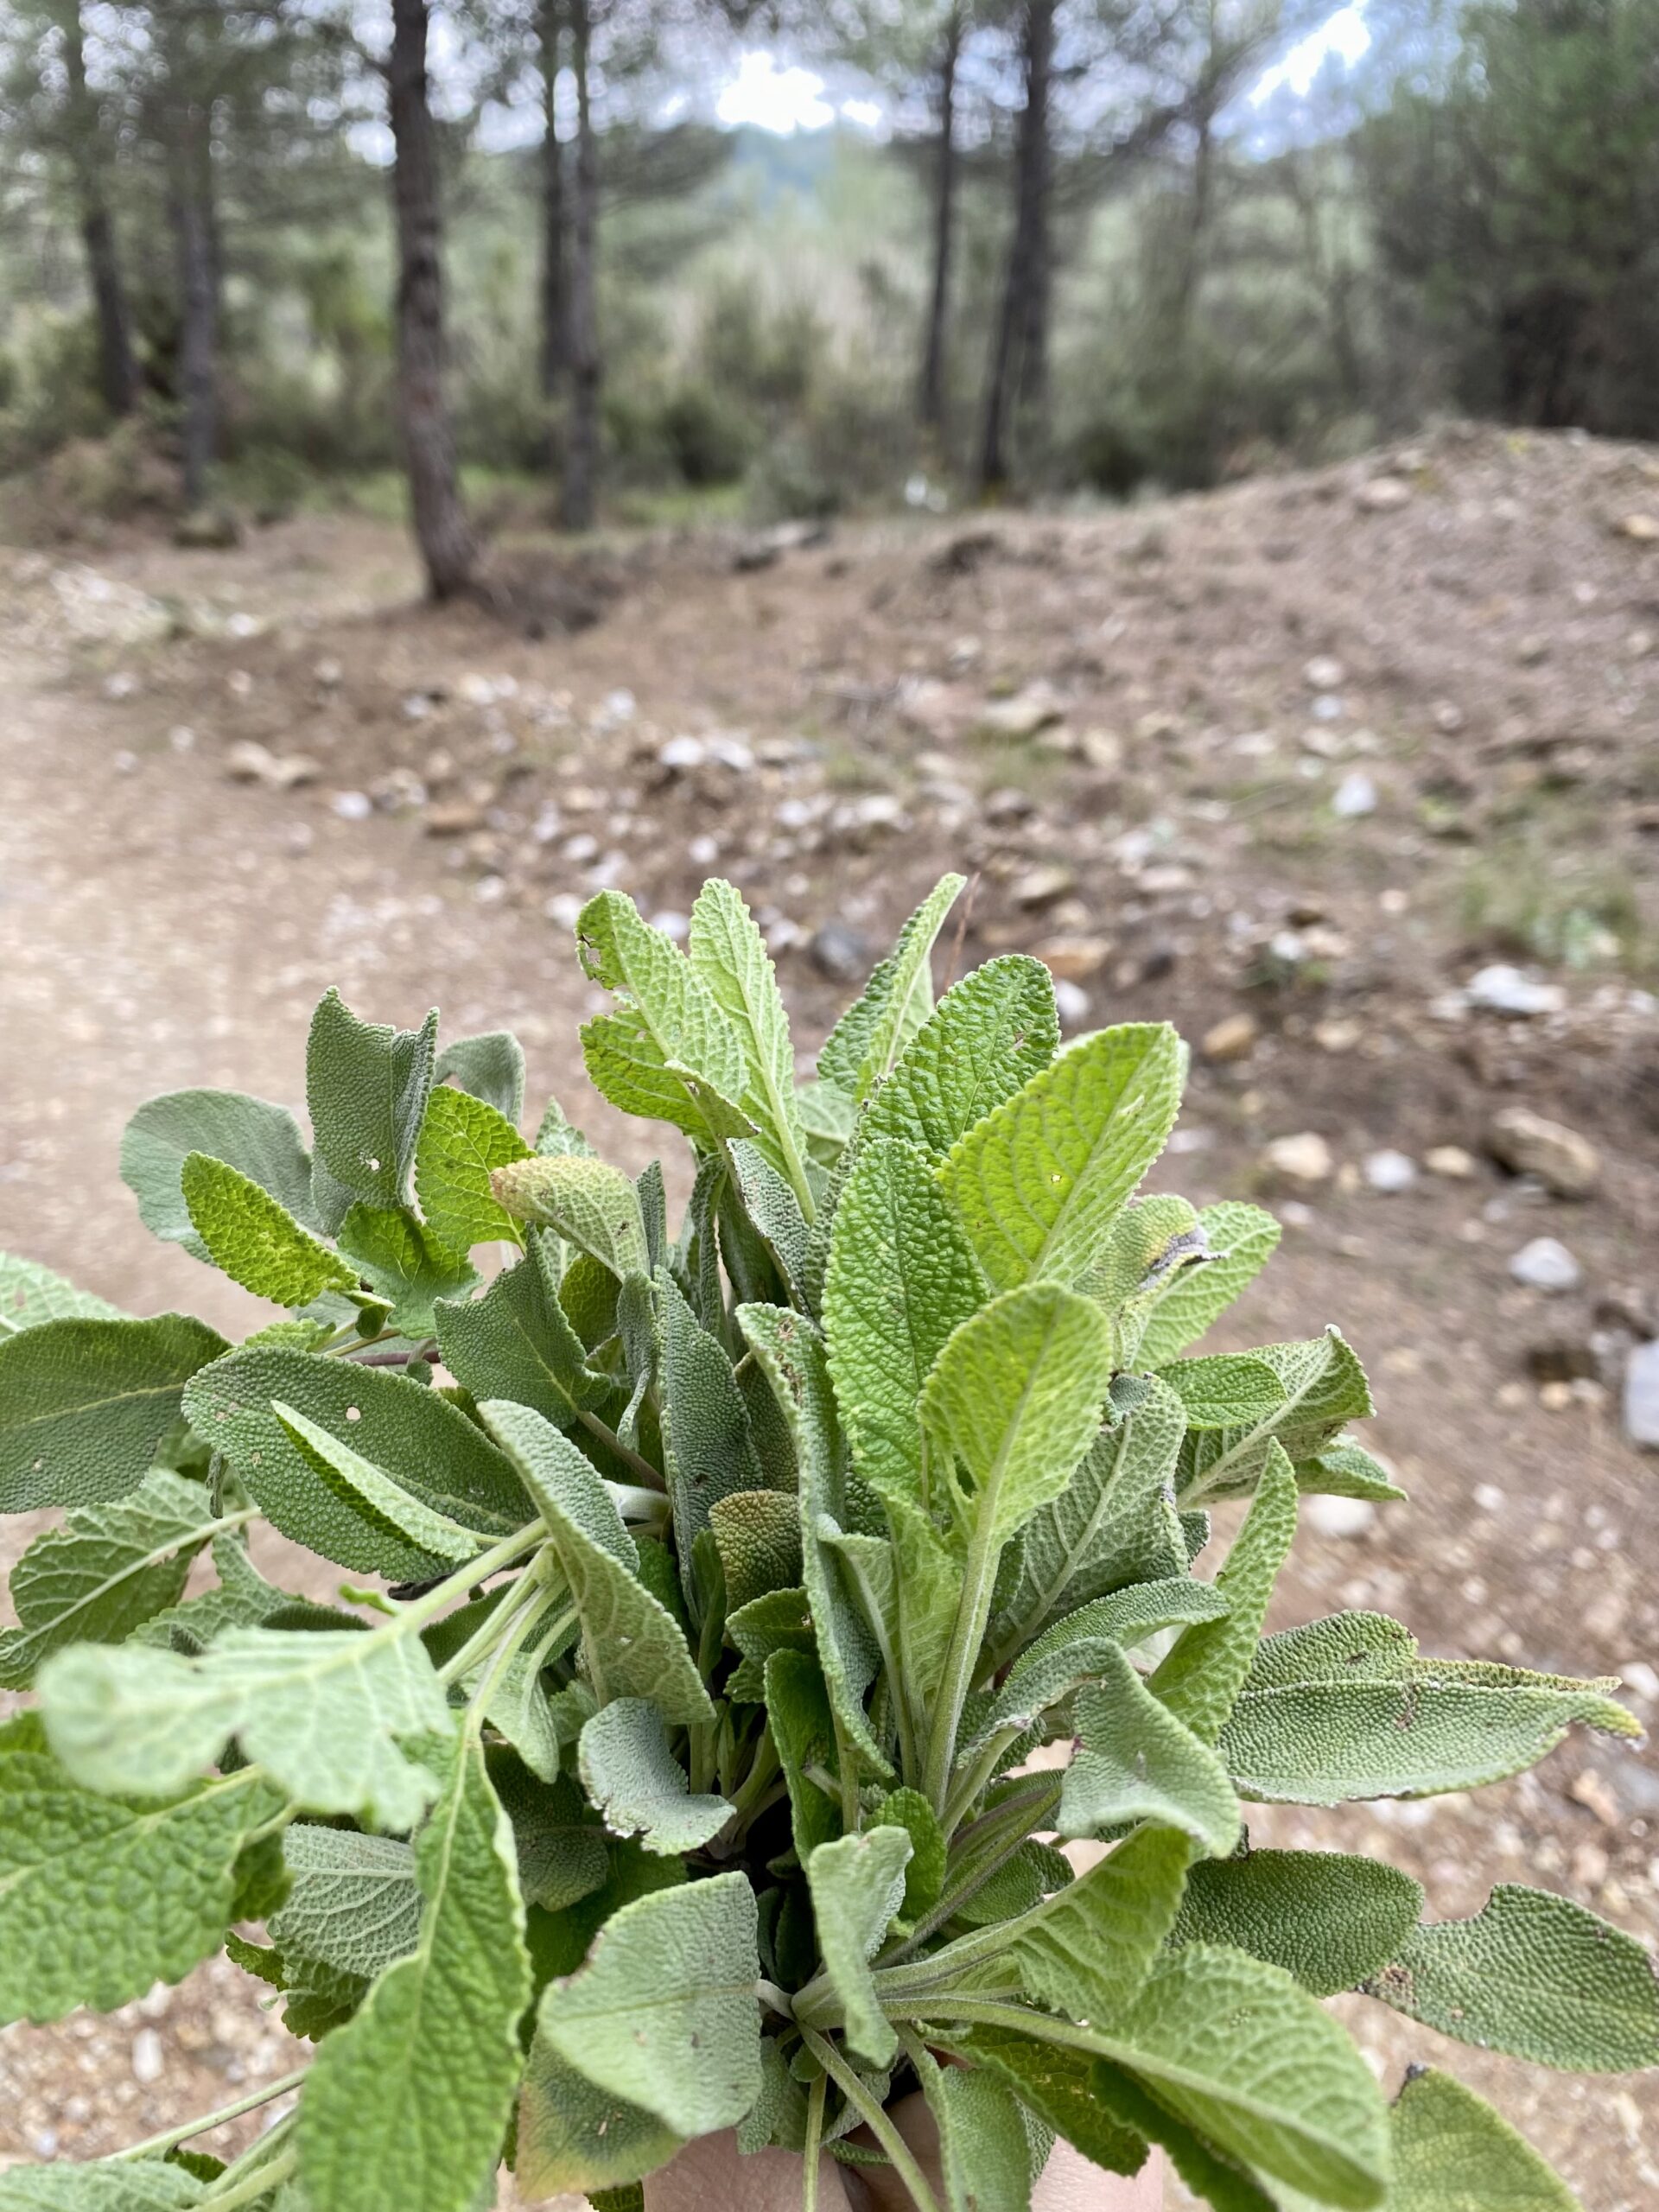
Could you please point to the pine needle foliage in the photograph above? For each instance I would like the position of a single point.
(668, 1761)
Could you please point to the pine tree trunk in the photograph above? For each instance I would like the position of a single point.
(1018, 385)
(441, 531)
(198, 332)
(581, 439)
(555, 247)
(929, 404)
(117, 364)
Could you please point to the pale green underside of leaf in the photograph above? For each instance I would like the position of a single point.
(867, 1041)
(1324, 1388)
(1138, 1762)
(857, 1883)
(30, 1293)
(1200, 1679)
(728, 954)
(1533, 1974)
(262, 1141)
(668, 1052)
(664, 2012)
(1038, 1182)
(574, 2136)
(1242, 1239)
(1453, 2153)
(354, 1903)
(588, 1202)
(130, 2185)
(630, 1775)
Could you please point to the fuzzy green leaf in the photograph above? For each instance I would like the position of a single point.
(902, 1278)
(254, 1241)
(100, 1896)
(355, 1904)
(634, 1647)
(1224, 1390)
(1201, 1677)
(706, 1435)
(490, 1067)
(322, 1714)
(1453, 2153)
(425, 1445)
(1039, 1183)
(406, 1264)
(1177, 1309)
(365, 1089)
(370, 1491)
(804, 1732)
(588, 1201)
(867, 1041)
(667, 1052)
(729, 955)
(563, 1856)
(987, 1037)
(1015, 1397)
(1533, 1974)
(30, 1293)
(985, 2152)
(929, 1848)
(576, 2136)
(108, 1569)
(1326, 1918)
(517, 1341)
(665, 2010)
(405, 2107)
(1138, 1762)
(112, 2185)
(260, 1140)
(757, 1533)
(1324, 1388)
(857, 1883)
(462, 1142)
(84, 1404)
(634, 1779)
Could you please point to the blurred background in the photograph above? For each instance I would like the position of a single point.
(1189, 466)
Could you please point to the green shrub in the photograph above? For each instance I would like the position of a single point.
(707, 437)
(663, 1766)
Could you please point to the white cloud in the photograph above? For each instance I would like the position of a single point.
(773, 99)
(1346, 34)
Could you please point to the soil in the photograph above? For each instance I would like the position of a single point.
(1297, 750)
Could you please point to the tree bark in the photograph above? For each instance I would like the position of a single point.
(446, 543)
(117, 364)
(555, 247)
(198, 332)
(930, 403)
(579, 489)
(1018, 385)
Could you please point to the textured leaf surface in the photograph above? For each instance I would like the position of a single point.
(1015, 1396)
(84, 1404)
(106, 1570)
(253, 1239)
(321, 1713)
(634, 1779)
(665, 2010)
(1112, 1525)
(1138, 1762)
(804, 1732)
(588, 1201)
(1038, 1182)
(462, 1141)
(1453, 2153)
(372, 1492)
(405, 1263)
(517, 1342)
(1225, 1389)
(901, 1277)
(99, 1898)
(729, 955)
(706, 1435)
(355, 1903)
(929, 1848)
(572, 2135)
(418, 1439)
(30, 1293)
(758, 1535)
(1533, 1974)
(1328, 1919)
(405, 2107)
(792, 1355)
(365, 1089)
(985, 2153)
(563, 1856)
(131, 2185)
(667, 1052)
(1241, 1240)
(490, 1066)
(858, 1884)
(867, 1042)
(1200, 1679)
(987, 1037)
(1324, 1388)
(634, 1647)
(262, 1140)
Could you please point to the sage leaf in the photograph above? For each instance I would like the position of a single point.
(574, 2136)
(462, 1142)
(253, 1239)
(366, 1090)
(728, 954)
(1329, 1919)
(30, 1294)
(261, 1141)
(1238, 1240)
(867, 1041)
(591, 1204)
(989, 1036)
(857, 1883)
(630, 1774)
(1202, 1675)
(1453, 2153)
(667, 1052)
(405, 1263)
(355, 1902)
(1138, 1762)
(517, 1342)
(490, 1066)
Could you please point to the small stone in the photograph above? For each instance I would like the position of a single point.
(1383, 495)
(148, 2058)
(1546, 1265)
(1640, 1680)
(454, 819)
(1101, 750)
(1489, 1497)
(1337, 1034)
(680, 753)
(1448, 716)
(1354, 795)
(1450, 1161)
(1532, 649)
(330, 673)
(1641, 530)
(1324, 673)
(207, 529)
(1339, 1516)
(1008, 804)
(1305, 1158)
(1589, 1790)
(1233, 1038)
(1073, 959)
(1041, 886)
(1028, 711)
(1555, 1397)
(1504, 989)
(838, 952)
(1073, 1003)
(1642, 1396)
(1389, 1173)
(1563, 1162)
(351, 806)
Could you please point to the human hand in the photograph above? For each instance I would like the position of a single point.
(709, 2176)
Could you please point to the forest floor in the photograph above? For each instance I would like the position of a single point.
(1303, 757)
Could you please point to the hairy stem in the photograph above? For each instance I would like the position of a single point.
(973, 1610)
(875, 2120)
(155, 2145)
(637, 1464)
(810, 2151)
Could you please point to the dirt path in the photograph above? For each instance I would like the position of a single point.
(161, 926)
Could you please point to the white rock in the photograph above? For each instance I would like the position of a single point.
(1637, 1676)
(1354, 795)
(1563, 1162)
(1324, 673)
(1073, 1003)
(1339, 1516)
(1503, 989)
(1489, 1497)
(1546, 1264)
(1390, 1171)
(1450, 1160)
(1305, 1158)
(1383, 495)
(148, 2056)
(1642, 1396)
(353, 806)
(682, 753)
